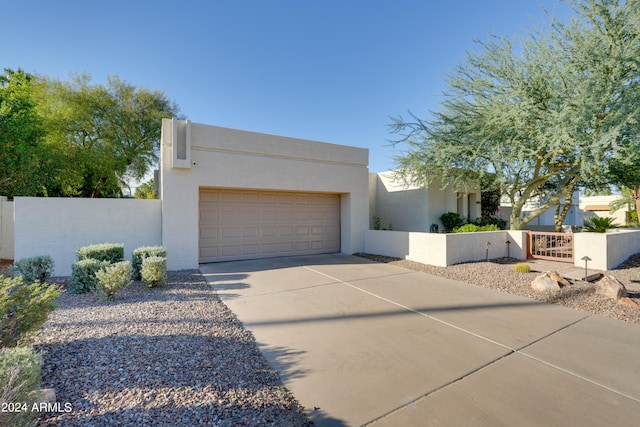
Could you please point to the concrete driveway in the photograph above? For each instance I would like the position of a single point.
(359, 342)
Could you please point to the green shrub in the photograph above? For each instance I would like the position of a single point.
(19, 377)
(491, 220)
(113, 278)
(23, 307)
(451, 220)
(599, 225)
(467, 228)
(143, 252)
(111, 252)
(154, 271)
(471, 228)
(633, 217)
(83, 275)
(522, 267)
(34, 269)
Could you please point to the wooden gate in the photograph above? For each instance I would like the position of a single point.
(552, 246)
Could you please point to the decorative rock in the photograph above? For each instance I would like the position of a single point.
(544, 283)
(611, 287)
(555, 276)
(628, 302)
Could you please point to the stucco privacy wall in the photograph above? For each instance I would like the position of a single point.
(606, 250)
(195, 156)
(58, 226)
(6, 229)
(446, 249)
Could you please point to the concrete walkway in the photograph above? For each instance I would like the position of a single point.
(359, 343)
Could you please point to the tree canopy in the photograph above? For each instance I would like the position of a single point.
(546, 115)
(73, 138)
(22, 149)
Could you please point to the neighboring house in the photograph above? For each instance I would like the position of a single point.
(545, 221)
(600, 206)
(411, 208)
(581, 208)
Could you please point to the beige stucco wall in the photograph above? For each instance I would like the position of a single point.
(411, 208)
(229, 158)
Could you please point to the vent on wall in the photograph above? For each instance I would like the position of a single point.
(181, 144)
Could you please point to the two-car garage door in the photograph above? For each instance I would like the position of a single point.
(246, 224)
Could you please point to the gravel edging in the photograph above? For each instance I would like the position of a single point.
(174, 355)
(499, 274)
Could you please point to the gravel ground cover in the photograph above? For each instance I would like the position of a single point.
(499, 274)
(168, 356)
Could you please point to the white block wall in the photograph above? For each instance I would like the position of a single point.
(58, 226)
(446, 249)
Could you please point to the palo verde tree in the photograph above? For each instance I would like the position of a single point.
(546, 115)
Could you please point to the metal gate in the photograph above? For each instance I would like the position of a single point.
(552, 246)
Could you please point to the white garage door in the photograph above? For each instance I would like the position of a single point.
(246, 224)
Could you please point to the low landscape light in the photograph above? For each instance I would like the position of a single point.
(586, 259)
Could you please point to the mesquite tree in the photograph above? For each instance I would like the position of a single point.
(546, 115)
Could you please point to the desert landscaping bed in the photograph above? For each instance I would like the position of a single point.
(176, 355)
(167, 356)
(499, 274)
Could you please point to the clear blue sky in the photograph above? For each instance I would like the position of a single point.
(330, 70)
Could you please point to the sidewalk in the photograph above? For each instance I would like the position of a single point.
(360, 343)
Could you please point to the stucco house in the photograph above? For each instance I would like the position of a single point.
(411, 208)
(545, 221)
(600, 206)
(230, 194)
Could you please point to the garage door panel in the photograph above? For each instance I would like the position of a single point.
(302, 246)
(254, 224)
(269, 231)
(285, 231)
(231, 232)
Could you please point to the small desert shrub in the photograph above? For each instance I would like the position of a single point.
(522, 267)
(19, 377)
(111, 252)
(23, 308)
(113, 278)
(83, 275)
(34, 269)
(472, 228)
(154, 270)
(143, 252)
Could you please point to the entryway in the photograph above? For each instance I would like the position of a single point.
(550, 246)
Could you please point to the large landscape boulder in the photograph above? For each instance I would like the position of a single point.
(544, 282)
(611, 287)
